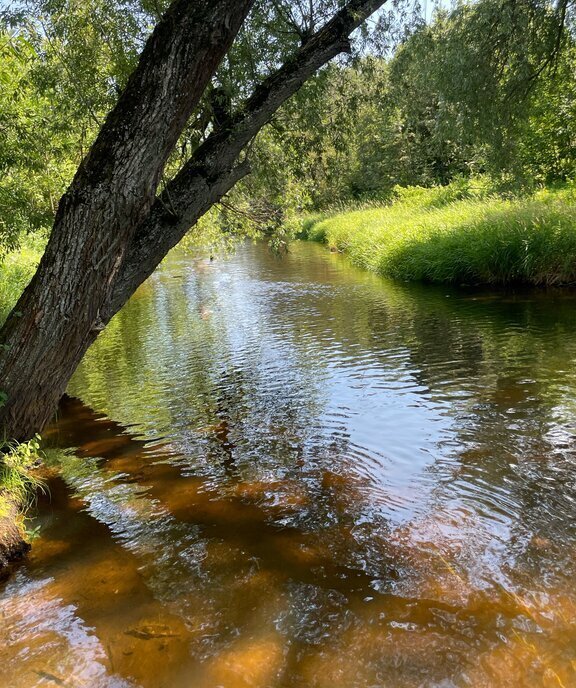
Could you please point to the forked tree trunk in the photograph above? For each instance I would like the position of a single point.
(109, 233)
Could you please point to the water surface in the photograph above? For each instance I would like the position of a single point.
(289, 473)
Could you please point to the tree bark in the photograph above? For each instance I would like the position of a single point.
(213, 169)
(109, 234)
(58, 316)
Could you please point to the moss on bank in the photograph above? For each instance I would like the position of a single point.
(459, 234)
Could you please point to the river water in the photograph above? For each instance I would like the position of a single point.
(290, 473)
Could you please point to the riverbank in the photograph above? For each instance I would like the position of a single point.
(459, 234)
(19, 485)
(14, 543)
(17, 482)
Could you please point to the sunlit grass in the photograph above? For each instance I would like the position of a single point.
(460, 234)
(19, 485)
(16, 270)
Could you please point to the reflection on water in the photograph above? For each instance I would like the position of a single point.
(314, 478)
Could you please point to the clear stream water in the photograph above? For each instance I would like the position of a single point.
(289, 473)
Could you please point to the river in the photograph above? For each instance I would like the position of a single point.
(285, 472)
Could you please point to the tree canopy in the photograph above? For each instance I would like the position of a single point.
(483, 87)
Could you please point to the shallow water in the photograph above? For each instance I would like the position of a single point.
(313, 478)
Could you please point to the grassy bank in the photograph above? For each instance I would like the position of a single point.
(459, 234)
(18, 482)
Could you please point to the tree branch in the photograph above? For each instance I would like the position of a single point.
(211, 172)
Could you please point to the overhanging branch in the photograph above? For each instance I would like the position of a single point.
(212, 170)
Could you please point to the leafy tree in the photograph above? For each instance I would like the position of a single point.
(473, 85)
(485, 88)
(36, 143)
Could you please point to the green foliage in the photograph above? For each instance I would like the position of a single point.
(79, 56)
(327, 142)
(16, 271)
(18, 483)
(480, 83)
(489, 87)
(35, 145)
(221, 228)
(461, 235)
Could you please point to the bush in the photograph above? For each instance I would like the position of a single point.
(18, 484)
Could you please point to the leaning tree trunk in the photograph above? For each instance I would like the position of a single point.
(213, 169)
(109, 233)
(58, 316)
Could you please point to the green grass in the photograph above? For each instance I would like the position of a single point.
(16, 270)
(17, 462)
(459, 234)
(19, 485)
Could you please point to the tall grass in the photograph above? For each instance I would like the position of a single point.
(460, 234)
(19, 484)
(16, 270)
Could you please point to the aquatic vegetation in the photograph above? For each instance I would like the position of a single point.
(460, 234)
